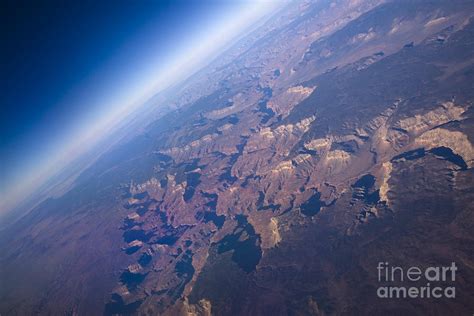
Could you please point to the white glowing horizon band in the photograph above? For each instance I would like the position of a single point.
(176, 70)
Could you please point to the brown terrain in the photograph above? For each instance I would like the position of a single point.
(337, 135)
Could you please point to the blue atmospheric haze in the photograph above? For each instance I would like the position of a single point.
(66, 64)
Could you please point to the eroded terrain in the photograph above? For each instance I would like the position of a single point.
(337, 135)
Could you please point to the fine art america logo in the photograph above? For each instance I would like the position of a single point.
(398, 282)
